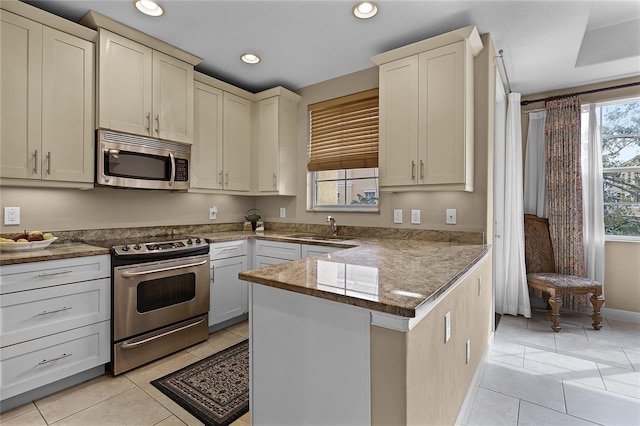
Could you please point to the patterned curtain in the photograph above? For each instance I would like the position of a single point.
(564, 190)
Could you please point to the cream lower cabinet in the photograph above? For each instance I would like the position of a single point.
(221, 152)
(47, 84)
(143, 91)
(55, 321)
(275, 134)
(229, 295)
(426, 114)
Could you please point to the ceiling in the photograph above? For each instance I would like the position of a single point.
(547, 45)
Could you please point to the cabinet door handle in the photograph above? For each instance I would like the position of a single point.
(421, 170)
(64, 308)
(49, 163)
(35, 162)
(226, 179)
(148, 121)
(50, 274)
(413, 170)
(46, 361)
(219, 178)
(158, 123)
(275, 181)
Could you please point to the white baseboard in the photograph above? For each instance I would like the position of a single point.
(617, 314)
(470, 397)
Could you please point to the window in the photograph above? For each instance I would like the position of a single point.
(343, 153)
(620, 135)
(355, 189)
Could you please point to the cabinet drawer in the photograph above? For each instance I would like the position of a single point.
(309, 250)
(279, 250)
(263, 262)
(28, 276)
(228, 249)
(36, 363)
(31, 314)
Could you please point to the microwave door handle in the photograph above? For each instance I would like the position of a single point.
(173, 169)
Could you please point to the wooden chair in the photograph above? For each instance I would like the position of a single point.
(541, 273)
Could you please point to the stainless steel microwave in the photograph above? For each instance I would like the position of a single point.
(130, 161)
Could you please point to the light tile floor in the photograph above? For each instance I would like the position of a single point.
(579, 376)
(533, 376)
(128, 399)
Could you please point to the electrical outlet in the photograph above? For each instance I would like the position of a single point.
(451, 216)
(12, 215)
(397, 216)
(415, 217)
(447, 326)
(283, 212)
(468, 350)
(213, 212)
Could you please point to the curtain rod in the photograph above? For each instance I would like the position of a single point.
(501, 57)
(585, 92)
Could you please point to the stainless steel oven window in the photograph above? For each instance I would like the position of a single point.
(162, 292)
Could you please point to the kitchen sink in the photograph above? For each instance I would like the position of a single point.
(316, 237)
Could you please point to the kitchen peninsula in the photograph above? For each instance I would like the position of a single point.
(358, 336)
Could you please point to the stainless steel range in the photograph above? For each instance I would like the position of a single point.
(160, 299)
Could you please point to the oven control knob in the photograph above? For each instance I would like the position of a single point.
(198, 240)
(125, 248)
(189, 241)
(137, 247)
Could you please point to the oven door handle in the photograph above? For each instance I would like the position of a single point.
(159, 336)
(128, 274)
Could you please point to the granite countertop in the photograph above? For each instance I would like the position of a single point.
(391, 275)
(55, 251)
(394, 276)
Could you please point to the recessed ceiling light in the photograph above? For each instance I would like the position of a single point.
(149, 7)
(365, 10)
(250, 58)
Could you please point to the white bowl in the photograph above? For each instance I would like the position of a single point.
(30, 246)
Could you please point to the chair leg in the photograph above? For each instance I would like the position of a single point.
(556, 303)
(596, 300)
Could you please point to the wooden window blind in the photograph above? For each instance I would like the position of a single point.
(344, 132)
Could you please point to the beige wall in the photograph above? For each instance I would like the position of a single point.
(622, 281)
(471, 207)
(71, 209)
(622, 276)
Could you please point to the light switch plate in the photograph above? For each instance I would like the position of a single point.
(397, 216)
(451, 216)
(415, 217)
(283, 212)
(12, 215)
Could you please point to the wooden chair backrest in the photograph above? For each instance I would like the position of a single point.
(538, 251)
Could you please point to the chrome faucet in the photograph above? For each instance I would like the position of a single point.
(333, 224)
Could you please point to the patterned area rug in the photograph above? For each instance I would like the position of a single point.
(215, 389)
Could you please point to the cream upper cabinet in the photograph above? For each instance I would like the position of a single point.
(47, 105)
(398, 122)
(206, 151)
(143, 91)
(236, 143)
(267, 144)
(221, 151)
(275, 142)
(426, 114)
